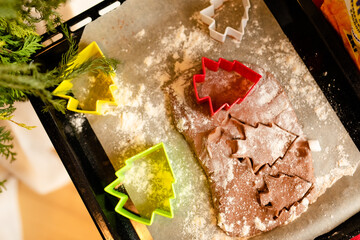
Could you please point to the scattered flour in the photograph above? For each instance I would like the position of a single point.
(291, 72)
(221, 219)
(199, 221)
(344, 157)
(181, 125)
(322, 112)
(138, 176)
(152, 110)
(125, 95)
(266, 98)
(245, 229)
(178, 87)
(77, 121)
(130, 122)
(140, 34)
(183, 45)
(305, 202)
(152, 60)
(259, 225)
(293, 214)
(327, 180)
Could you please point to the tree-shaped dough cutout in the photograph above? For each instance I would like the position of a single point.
(263, 144)
(283, 191)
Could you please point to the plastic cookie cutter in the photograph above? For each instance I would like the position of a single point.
(220, 92)
(148, 179)
(208, 13)
(99, 89)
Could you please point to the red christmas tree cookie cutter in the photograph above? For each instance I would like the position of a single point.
(228, 66)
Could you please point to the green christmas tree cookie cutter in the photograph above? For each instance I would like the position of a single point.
(166, 193)
(91, 51)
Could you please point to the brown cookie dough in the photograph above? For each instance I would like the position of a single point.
(273, 143)
(255, 156)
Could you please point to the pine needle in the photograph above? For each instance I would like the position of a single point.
(6, 144)
(2, 185)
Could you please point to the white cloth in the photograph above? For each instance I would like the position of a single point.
(10, 219)
(37, 164)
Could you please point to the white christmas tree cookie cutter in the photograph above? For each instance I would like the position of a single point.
(208, 13)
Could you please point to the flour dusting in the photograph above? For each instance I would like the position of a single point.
(77, 121)
(155, 53)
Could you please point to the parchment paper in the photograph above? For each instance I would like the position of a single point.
(157, 40)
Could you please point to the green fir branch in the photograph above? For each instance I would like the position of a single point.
(30, 46)
(18, 42)
(6, 145)
(2, 185)
(18, 76)
(6, 111)
(31, 12)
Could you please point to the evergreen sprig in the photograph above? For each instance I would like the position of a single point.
(6, 144)
(32, 11)
(18, 42)
(18, 76)
(2, 185)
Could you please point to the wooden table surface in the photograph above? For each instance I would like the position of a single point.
(58, 215)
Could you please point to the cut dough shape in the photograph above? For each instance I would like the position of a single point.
(283, 191)
(266, 149)
(235, 187)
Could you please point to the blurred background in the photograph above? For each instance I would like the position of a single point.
(40, 201)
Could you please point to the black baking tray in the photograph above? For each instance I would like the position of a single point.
(88, 165)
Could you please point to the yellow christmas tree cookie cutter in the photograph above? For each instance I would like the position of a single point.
(165, 179)
(91, 51)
